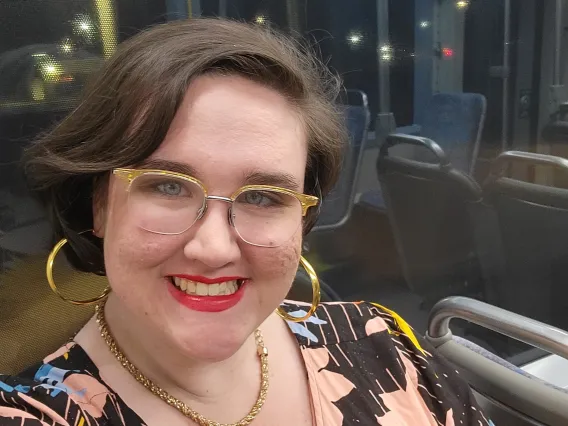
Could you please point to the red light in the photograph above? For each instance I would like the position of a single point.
(448, 52)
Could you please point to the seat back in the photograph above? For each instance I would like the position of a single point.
(35, 322)
(533, 232)
(302, 289)
(455, 122)
(555, 133)
(507, 394)
(338, 204)
(428, 206)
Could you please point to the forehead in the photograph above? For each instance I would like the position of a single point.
(229, 126)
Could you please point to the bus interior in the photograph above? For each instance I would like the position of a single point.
(452, 205)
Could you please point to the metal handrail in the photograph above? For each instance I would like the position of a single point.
(530, 331)
(530, 158)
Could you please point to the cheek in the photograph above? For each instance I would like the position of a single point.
(277, 266)
(131, 252)
(135, 250)
(127, 247)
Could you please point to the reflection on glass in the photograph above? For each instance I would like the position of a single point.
(107, 26)
(260, 19)
(462, 4)
(355, 38)
(44, 68)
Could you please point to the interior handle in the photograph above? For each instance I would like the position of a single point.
(529, 158)
(400, 139)
(530, 331)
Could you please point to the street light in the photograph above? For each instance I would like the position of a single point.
(355, 38)
(462, 4)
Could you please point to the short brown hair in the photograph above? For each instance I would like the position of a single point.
(127, 109)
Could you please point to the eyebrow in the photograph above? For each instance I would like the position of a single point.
(173, 166)
(256, 177)
(283, 180)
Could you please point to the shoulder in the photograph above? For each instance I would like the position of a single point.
(339, 322)
(368, 353)
(65, 388)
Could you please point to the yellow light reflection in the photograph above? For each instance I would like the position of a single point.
(462, 4)
(107, 25)
(50, 71)
(66, 45)
(260, 19)
(37, 90)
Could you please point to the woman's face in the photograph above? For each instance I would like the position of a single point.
(231, 132)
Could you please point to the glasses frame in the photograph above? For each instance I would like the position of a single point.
(130, 175)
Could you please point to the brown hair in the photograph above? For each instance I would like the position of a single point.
(127, 109)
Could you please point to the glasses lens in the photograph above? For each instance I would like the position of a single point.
(164, 204)
(266, 218)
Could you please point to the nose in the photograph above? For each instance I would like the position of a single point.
(214, 242)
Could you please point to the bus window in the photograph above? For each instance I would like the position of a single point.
(435, 91)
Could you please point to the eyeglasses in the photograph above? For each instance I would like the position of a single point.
(169, 203)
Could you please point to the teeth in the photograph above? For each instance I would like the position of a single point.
(213, 289)
(201, 289)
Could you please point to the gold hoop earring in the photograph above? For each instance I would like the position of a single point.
(316, 294)
(51, 281)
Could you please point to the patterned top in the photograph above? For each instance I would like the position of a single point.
(365, 366)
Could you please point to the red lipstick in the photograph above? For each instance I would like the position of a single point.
(207, 303)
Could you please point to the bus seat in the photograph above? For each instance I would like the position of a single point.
(337, 205)
(506, 393)
(454, 121)
(34, 322)
(429, 207)
(555, 133)
(532, 231)
(302, 289)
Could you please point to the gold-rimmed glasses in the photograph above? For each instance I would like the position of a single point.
(169, 203)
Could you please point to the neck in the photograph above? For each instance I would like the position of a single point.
(188, 379)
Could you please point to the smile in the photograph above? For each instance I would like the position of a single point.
(206, 294)
(197, 288)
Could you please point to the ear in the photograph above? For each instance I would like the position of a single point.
(100, 208)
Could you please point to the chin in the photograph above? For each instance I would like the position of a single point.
(212, 344)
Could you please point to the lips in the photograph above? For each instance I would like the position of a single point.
(207, 294)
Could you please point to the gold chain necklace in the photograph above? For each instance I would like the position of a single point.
(174, 402)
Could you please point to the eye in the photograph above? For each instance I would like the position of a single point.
(171, 189)
(261, 198)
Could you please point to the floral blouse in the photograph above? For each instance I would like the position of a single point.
(365, 367)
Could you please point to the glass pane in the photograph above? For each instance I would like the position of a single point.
(48, 49)
(475, 77)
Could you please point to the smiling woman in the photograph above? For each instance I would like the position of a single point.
(198, 158)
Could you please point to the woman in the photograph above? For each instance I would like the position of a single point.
(197, 159)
